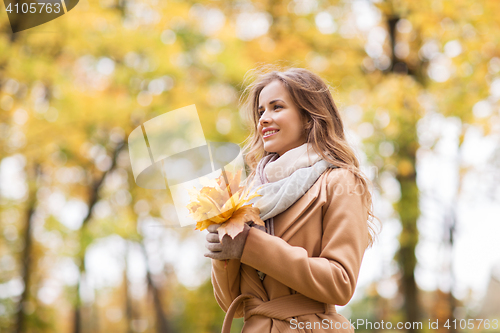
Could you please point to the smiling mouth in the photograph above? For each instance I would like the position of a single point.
(269, 134)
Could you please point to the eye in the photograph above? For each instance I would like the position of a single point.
(261, 112)
(277, 106)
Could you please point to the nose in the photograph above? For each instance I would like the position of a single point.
(265, 119)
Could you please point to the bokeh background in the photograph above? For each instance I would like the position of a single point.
(84, 249)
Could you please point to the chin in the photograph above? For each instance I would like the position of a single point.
(269, 149)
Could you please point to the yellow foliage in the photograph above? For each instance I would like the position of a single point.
(217, 205)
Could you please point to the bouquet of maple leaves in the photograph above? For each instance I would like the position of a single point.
(224, 204)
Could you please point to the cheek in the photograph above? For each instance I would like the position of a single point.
(297, 127)
(282, 120)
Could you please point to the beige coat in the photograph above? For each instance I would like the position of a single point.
(312, 263)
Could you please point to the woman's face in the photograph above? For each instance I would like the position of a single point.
(280, 125)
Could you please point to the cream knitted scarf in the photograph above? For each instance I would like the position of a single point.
(284, 179)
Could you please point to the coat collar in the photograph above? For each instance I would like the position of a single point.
(285, 224)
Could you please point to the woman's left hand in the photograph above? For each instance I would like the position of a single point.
(229, 248)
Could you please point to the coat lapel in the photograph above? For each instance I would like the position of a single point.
(286, 223)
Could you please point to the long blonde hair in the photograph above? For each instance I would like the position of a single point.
(324, 127)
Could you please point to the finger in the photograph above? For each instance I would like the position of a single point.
(260, 227)
(213, 237)
(214, 247)
(215, 255)
(213, 227)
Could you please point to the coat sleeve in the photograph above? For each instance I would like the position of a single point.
(226, 282)
(331, 277)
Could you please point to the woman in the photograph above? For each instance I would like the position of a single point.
(288, 276)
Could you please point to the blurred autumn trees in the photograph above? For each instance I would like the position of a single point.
(71, 90)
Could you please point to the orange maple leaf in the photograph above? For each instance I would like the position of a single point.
(236, 223)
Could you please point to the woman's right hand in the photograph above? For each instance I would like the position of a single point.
(229, 248)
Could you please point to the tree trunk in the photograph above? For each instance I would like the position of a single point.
(162, 325)
(407, 208)
(26, 258)
(408, 205)
(129, 310)
(93, 198)
(451, 221)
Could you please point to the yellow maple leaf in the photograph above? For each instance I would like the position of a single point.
(213, 205)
